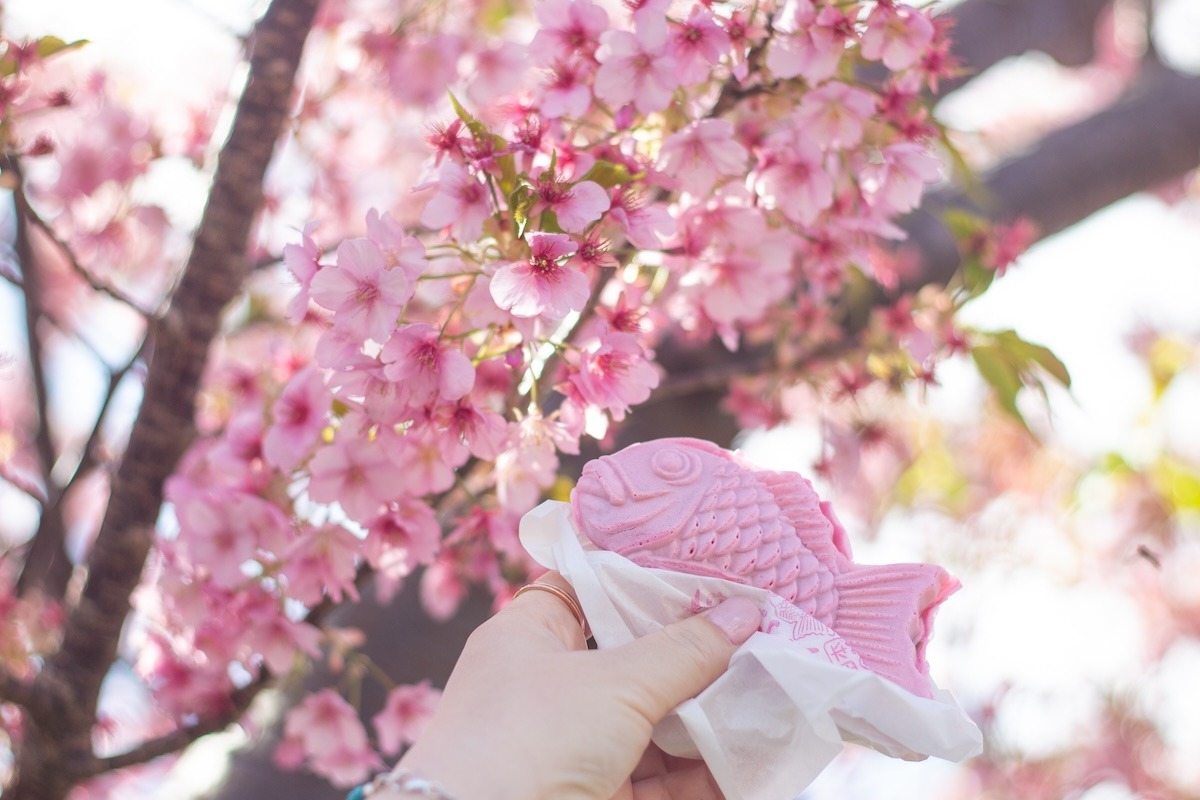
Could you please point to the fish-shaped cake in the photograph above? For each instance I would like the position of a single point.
(689, 506)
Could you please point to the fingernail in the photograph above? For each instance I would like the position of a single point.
(737, 618)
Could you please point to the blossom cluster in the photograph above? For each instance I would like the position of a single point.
(712, 170)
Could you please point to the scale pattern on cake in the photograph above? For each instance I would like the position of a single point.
(689, 506)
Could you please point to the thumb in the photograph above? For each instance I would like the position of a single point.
(679, 661)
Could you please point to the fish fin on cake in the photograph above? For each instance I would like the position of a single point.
(885, 614)
(817, 530)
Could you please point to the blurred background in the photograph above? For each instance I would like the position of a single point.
(1074, 641)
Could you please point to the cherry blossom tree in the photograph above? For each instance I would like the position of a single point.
(598, 223)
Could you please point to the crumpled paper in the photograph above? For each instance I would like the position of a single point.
(779, 715)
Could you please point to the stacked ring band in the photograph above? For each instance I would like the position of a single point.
(571, 602)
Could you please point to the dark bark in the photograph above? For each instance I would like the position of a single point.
(46, 567)
(56, 750)
(1148, 137)
(988, 31)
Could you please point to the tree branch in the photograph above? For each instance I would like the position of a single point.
(80, 270)
(52, 760)
(46, 566)
(15, 690)
(988, 31)
(181, 737)
(1148, 137)
(88, 457)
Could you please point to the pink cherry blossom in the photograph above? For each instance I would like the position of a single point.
(594, 253)
(299, 416)
(566, 91)
(498, 71)
(739, 285)
(698, 43)
(365, 296)
(214, 542)
(895, 185)
(484, 432)
(402, 537)
(399, 249)
(700, 153)
(801, 47)
(793, 178)
(424, 367)
(434, 58)
(322, 562)
(460, 203)
(444, 140)
(441, 589)
(575, 205)
(530, 463)
(744, 33)
(566, 28)
(302, 260)
(833, 114)
(355, 473)
(238, 453)
(541, 284)
(345, 765)
(424, 460)
(614, 373)
(637, 68)
(649, 15)
(338, 348)
(180, 685)
(646, 225)
(405, 715)
(373, 398)
(896, 34)
(328, 730)
(322, 720)
(269, 632)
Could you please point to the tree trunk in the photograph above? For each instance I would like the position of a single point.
(57, 749)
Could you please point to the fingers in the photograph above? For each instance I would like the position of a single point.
(552, 610)
(691, 783)
(677, 663)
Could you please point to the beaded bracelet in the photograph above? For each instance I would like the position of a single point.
(402, 781)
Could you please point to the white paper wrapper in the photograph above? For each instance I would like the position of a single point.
(778, 716)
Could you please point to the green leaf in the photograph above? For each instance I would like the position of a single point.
(933, 476)
(608, 174)
(1167, 357)
(972, 278)
(477, 128)
(857, 300)
(548, 223)
(519, 202)
(998, 369)
(1113, 463)
(51, 45)
(1009, 363)
(1178, 484)
(1040, 355)
(964, 174)
(508, 173)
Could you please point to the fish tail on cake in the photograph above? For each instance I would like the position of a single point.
(885, 613)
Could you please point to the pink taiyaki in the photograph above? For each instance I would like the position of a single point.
(689, 506)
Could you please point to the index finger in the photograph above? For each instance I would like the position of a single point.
(551, 602)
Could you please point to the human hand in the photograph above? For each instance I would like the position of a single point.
(530, 713)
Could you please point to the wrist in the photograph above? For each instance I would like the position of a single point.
(465, 774)
(400, 784)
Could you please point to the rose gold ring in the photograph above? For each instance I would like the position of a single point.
(571, 602)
